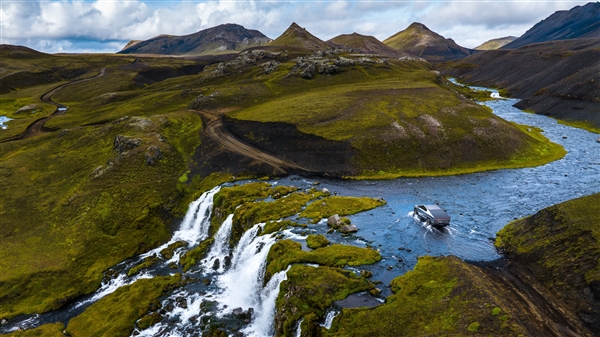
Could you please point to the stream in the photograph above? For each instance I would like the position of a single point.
(480, 204)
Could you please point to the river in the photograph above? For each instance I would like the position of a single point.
(480, 205)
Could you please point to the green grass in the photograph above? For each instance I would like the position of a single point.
(46, 330)
(315, 241)
(195, 255)
(115, 315)
(441, 297)
(580, 124)
(286, 252)
(310, 291)
(328, 206)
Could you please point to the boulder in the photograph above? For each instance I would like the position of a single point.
(326, 191)
(308, 71)
(27, 108)
(348, 229)
(270, 67)
(153, 154)
(122, 144)
(333, 220)
(201, 102)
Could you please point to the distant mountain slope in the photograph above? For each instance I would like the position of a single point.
(578, 22)
(296, 36)
(222, 39)
(556, 78)
(496, 43)
(364, 44)
(420, 41)
(131, 43)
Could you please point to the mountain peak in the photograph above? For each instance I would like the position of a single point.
(296, 36)
(418, 40)
(418, 26)
(364, 44)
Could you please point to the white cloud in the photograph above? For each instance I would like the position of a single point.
(49, 25)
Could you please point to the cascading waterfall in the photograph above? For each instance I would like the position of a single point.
(262, 325)
(195, 225)
(220, 249)
(329, 318)
(242, 283)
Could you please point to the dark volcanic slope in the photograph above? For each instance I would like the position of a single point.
(364, 44)
(557, 78)
(296, 36)
(418, 40)
(221, 39)
(579, 22)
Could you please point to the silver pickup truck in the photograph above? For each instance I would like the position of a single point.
(433, 215)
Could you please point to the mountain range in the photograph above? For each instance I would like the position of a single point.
(578, 22)
(416, 40)
(222, 39)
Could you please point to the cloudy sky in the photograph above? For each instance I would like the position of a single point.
(106, 26)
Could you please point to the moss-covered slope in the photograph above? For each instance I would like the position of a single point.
(376, 119)
(561, 246)
(442, 296)
(420, 41)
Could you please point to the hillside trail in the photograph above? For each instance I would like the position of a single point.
(212, 121)
(37, 127)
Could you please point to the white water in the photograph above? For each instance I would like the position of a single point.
(299, 328)
(220, 248)
(243, 282)
(329, 319)
(194, 227)
(262, 325)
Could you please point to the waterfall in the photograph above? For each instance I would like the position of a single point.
(262, 324)
(329, 318)
(220, 249)
(243, 282)
(299, 328)
(195, 225)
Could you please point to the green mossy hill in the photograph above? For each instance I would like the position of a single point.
(115, 315)
(286, 252)
(315, 241)
(561, 246)
(46, 330)
(298, 37)
(88, 203)
(418, 40)
(393, 118)
(331, 205)
(307, 294)
(441, 297)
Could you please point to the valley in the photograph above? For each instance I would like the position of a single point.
(225, 183)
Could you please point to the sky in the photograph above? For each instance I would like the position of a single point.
(106, 26)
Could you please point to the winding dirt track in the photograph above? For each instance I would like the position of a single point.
(37, 127)
(214, 128)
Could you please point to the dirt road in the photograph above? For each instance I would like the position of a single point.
(37, 127)
(215, 129)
